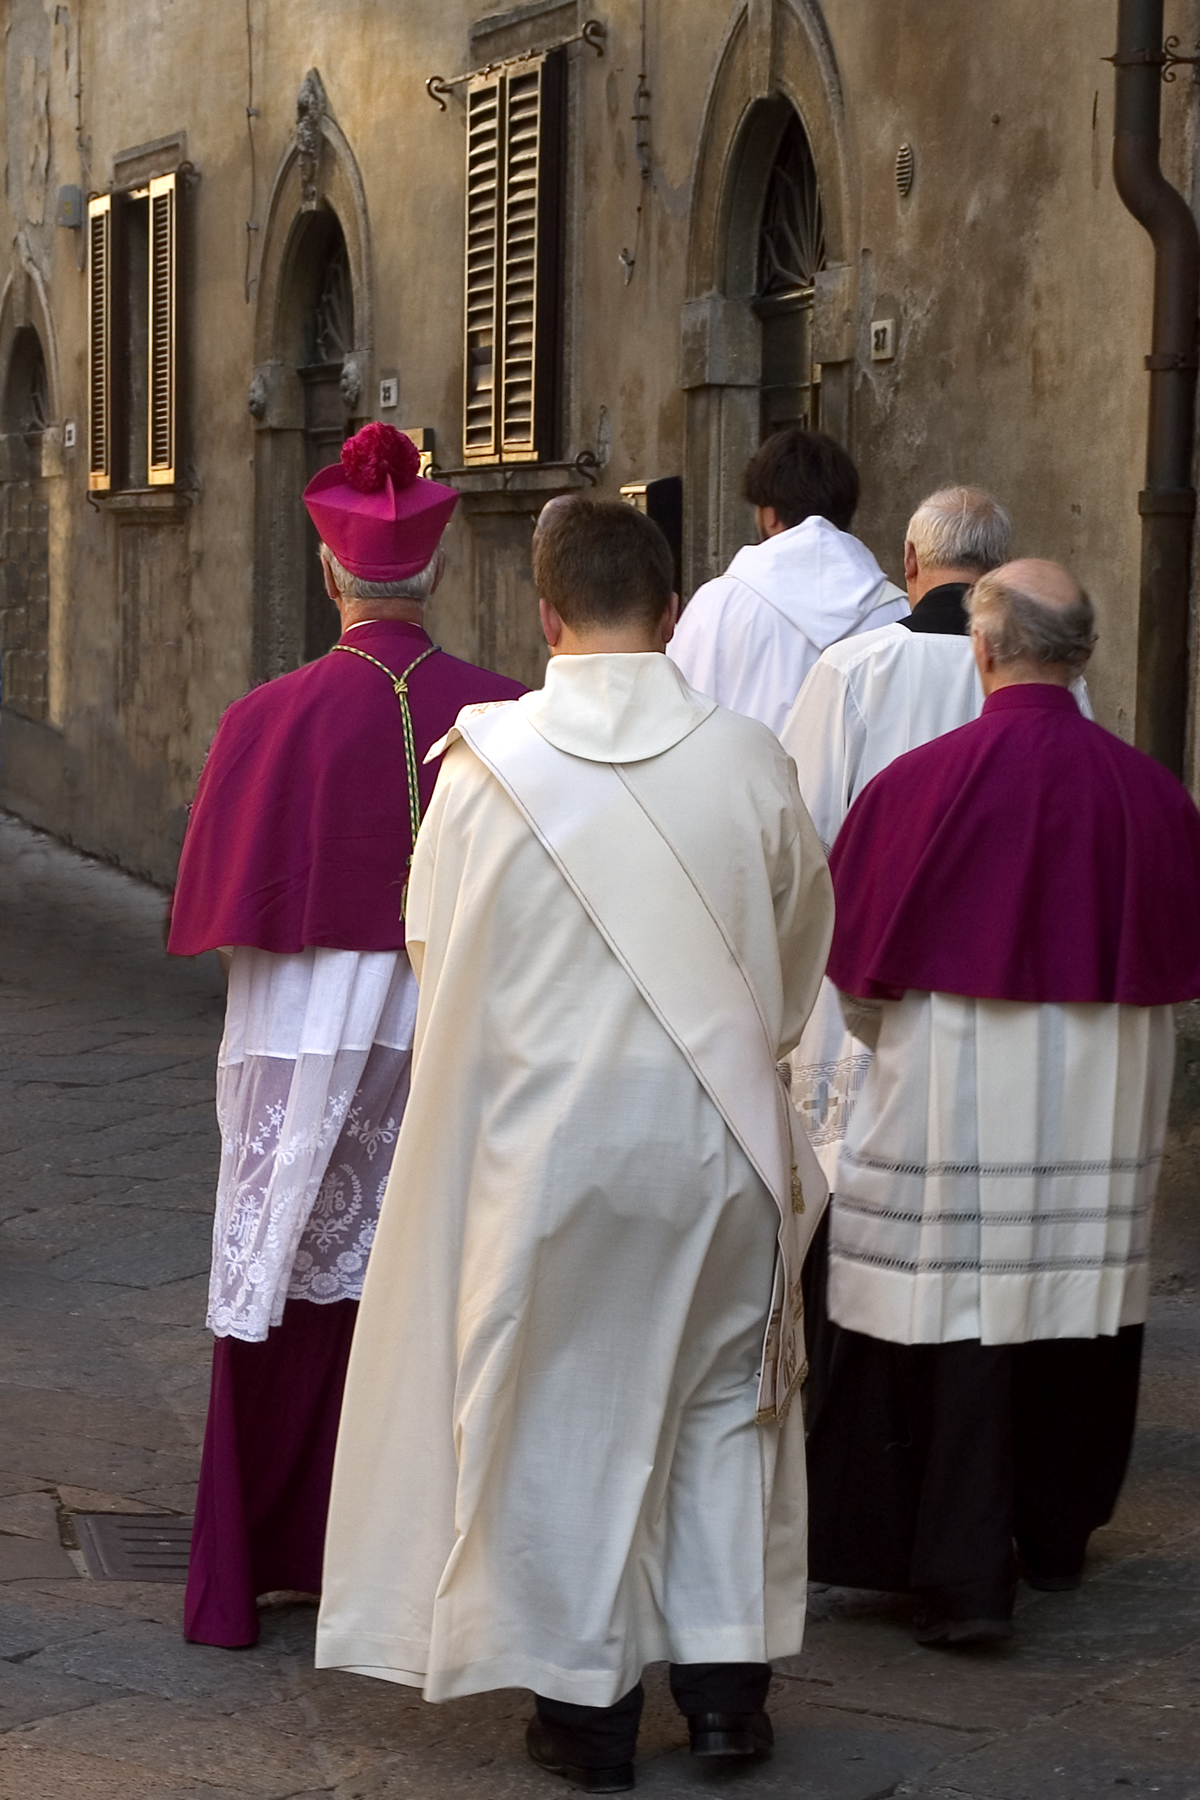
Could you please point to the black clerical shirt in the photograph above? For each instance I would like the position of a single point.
(941, 610)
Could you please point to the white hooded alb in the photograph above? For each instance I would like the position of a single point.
(749, 638)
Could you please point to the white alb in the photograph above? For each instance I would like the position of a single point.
(750, 637)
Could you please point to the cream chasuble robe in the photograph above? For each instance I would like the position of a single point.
(549, 1472)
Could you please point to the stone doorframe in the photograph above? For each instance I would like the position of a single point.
(775, 53)
(318, 171)
(25, 303)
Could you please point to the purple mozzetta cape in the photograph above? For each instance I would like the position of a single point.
(300, 833)
(1028, 856)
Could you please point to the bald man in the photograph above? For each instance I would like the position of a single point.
(1018, 911)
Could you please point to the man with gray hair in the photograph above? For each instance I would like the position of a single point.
(1018, 912)
(953, 538)
(866, 701)
(295, 866)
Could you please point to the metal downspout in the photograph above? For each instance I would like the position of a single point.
(1168, 502)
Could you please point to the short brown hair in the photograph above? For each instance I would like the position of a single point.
(803, 474)
(601, 562)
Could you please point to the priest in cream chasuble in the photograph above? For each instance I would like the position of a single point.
(567, 1448)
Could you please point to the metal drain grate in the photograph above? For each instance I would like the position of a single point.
(134, 1546)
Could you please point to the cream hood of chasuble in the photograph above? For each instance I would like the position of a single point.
(615, 708)
(570, 1220)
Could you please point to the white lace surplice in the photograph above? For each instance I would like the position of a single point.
(312, 1078)
(998, 1174)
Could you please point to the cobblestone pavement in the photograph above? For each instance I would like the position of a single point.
(108, 1150)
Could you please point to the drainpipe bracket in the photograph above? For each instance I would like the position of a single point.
(1164, 59)
(1172, 359)
(1167, 500)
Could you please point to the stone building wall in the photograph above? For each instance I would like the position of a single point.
(1017, 286)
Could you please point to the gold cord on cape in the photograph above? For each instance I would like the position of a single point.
(400, 687)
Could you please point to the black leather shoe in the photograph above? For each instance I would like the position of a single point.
(730, 1734)
(1050, 1582)
(542, 1743)
(1053, 1584)
(936, 1633)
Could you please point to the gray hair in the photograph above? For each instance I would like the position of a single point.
(1018, 627)
(352, 587)
(960, 528)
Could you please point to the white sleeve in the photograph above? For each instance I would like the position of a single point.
(825, 735)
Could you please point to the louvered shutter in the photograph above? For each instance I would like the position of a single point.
(485, 100)
(513, 276)
(161, 387)
(99, 426)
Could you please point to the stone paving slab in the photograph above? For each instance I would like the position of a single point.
(27, 1694)
(107, 1052)
(147, 1259)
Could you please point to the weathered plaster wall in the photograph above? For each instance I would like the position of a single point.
(1020, 287)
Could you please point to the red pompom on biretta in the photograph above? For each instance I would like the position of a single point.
(376, 452)
(382, 520)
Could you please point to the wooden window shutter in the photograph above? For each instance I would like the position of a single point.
(514, 256)
(531, 300)
(99, 425)
(161, 384)
(485, 99)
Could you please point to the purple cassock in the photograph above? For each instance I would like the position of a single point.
(299, 836)
(1030, 855)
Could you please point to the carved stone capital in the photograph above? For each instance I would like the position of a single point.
(720, 344)
(835, 314)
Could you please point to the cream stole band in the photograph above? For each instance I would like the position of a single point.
(658, 924)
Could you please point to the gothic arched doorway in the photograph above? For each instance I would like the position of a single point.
(312, 372)
(325, 321)
(25, 577)
(770, 318)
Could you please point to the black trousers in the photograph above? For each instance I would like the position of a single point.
(600, 1737)
(930, 1464)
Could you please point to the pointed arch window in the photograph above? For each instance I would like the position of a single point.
(791, 253)
(24, 531)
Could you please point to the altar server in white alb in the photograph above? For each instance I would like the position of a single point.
(1018, 911)
(749, 637)
(566, 1449)
(866, 701)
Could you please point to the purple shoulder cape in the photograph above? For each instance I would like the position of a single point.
(1028, 856)
(300, 832)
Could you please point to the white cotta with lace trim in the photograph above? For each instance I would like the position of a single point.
(312, 1079)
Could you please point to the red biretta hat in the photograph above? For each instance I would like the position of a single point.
(382, 521)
